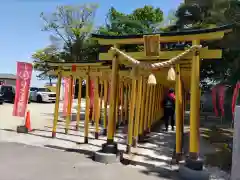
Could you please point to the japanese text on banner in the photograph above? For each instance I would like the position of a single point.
(24, 75)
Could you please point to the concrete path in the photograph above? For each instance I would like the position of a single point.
(41, 114)
(22, 162)
(41, 118)
(152, 158)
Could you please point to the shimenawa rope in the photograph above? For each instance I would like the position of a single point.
(157, 65)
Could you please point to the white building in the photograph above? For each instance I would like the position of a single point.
(9, 79)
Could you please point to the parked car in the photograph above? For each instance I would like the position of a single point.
(42, 95)
(8, 93)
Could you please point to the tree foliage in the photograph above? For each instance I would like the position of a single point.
(72, 25)
(212, 13)
(40, 58)
(141, 20)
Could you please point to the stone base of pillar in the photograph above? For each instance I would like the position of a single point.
(196, 165)
(134, 142)
(104, 133)
(178, 157)
(189, 174)
(76, 127)
(110, 147)
(53, 134)
(108, 154)
(128, 149)
(96, 135)
(193, 170)
(86, 140)
(22, 129)
(143, 138)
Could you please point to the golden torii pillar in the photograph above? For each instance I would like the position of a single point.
(110, 146)
(179, 111)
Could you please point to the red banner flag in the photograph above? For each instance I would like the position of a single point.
(24, 76)
(221, 98)
(71, 88)
(234, 98)
(66, 90)
(214, 101)
(91, 93)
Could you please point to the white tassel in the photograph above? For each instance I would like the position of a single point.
(171, 74)
(152, 79)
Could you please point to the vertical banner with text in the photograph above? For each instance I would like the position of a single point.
(234, 98)
(91, 93)
(66, 90)
(24, 76)
(214, 100)
(71, 88)
(221, 95)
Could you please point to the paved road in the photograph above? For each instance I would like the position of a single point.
(44, 163)
(23, 162)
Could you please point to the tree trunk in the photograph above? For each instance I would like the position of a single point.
(50, 81)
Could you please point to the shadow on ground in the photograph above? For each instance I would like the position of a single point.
(219, 134)
(162, 173)
(58, 138)
(162, 145)
(222, 141)
(88, 153)
(63, 116)
(159, 147)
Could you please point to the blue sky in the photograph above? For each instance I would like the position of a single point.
(21, 35)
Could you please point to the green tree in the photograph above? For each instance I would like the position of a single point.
(169, 22)
(71, 27)
(209, 14)
(141, 20)
(40, 59)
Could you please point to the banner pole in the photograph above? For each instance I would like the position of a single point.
(24, 75)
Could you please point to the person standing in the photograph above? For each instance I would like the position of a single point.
(169, 109)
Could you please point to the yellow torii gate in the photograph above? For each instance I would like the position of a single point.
(143, 77)
(187, 67)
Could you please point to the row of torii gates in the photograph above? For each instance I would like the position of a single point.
(141, 83)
